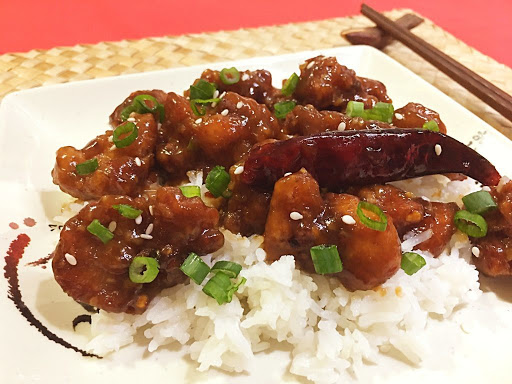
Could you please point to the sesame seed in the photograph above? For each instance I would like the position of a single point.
(310, 65)
(222, 95)
(215, 94)
(245, 77)
(438, 149)
(214, 104)
(146, 237)
(239, 105)
(112, 226)
(149, 229)
(199, 121)
(151, 210)
(131, 119)
(70, 259)
(138, 220)
(342, 126)
(486, 188)
(138, 162)
(399, 116)
(111, 139)
(347, 219)
(296, 216)
(224, 112)
(239, 170)
(287, 174)
(475, 251)
(113, 147)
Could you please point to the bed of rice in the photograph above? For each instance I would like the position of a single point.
(332, 331)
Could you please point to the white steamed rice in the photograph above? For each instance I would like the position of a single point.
(332, 332)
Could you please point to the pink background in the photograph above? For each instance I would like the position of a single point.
(43, 24)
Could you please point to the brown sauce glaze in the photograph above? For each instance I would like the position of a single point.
(12, 259)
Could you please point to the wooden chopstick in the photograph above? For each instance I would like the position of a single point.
(481, 88)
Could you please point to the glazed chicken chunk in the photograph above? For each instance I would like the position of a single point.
(169, 227)
(369, 257)
(119, 171)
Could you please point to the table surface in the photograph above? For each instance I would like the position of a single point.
(35, 24)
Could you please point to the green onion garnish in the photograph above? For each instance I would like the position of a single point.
(140, 105)
(290, 85)
(479, 202)
(87, 167)
(202, 90)
(123, 129)
(471, 224)
(228, 267)
(326, 259)
(431, 126)
(141, 101)
(143, 269)
(221, 288)
(412, 262)
(379, 225)
(355, 109)
(100, 231)
(190, 190)
(230, 75)
(195, 268)
(217, 181)
(127, 211)
(283, 108)
(201, 111)
(381, 112)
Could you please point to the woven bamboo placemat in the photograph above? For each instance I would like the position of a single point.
(58, 65)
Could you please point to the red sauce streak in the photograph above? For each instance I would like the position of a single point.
(29, 222)
(41, 262)
(12, 259)
(14, 225)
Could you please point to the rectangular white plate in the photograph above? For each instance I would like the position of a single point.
(34, 123)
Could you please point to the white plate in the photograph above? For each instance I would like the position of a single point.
(34, 123)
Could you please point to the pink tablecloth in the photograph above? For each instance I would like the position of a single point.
(30, 24)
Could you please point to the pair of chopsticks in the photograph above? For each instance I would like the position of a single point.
(477, 85)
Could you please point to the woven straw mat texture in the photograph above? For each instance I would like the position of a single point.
(58, 65)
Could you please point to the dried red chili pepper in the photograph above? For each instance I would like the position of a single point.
(341, 159)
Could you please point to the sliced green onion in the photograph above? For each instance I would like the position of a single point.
(87, 167)
(381, 112)
(100, 231)
(217, 180)
(326, 259)
(140, 105)
(230, 76)
(190, 190)
(202, 90)
(379, 225)
(123, 129)
(206, 101)
(355, 109)
(290, 85)
(127, 211)
(412, 262)
(221, 288)
(198, 112)
(471, 224)
(283, 108)
(195, 268)
(228, 267)
(431, 126)
(125, 113)
(143, 269)
(479, 202)
(140, 102)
